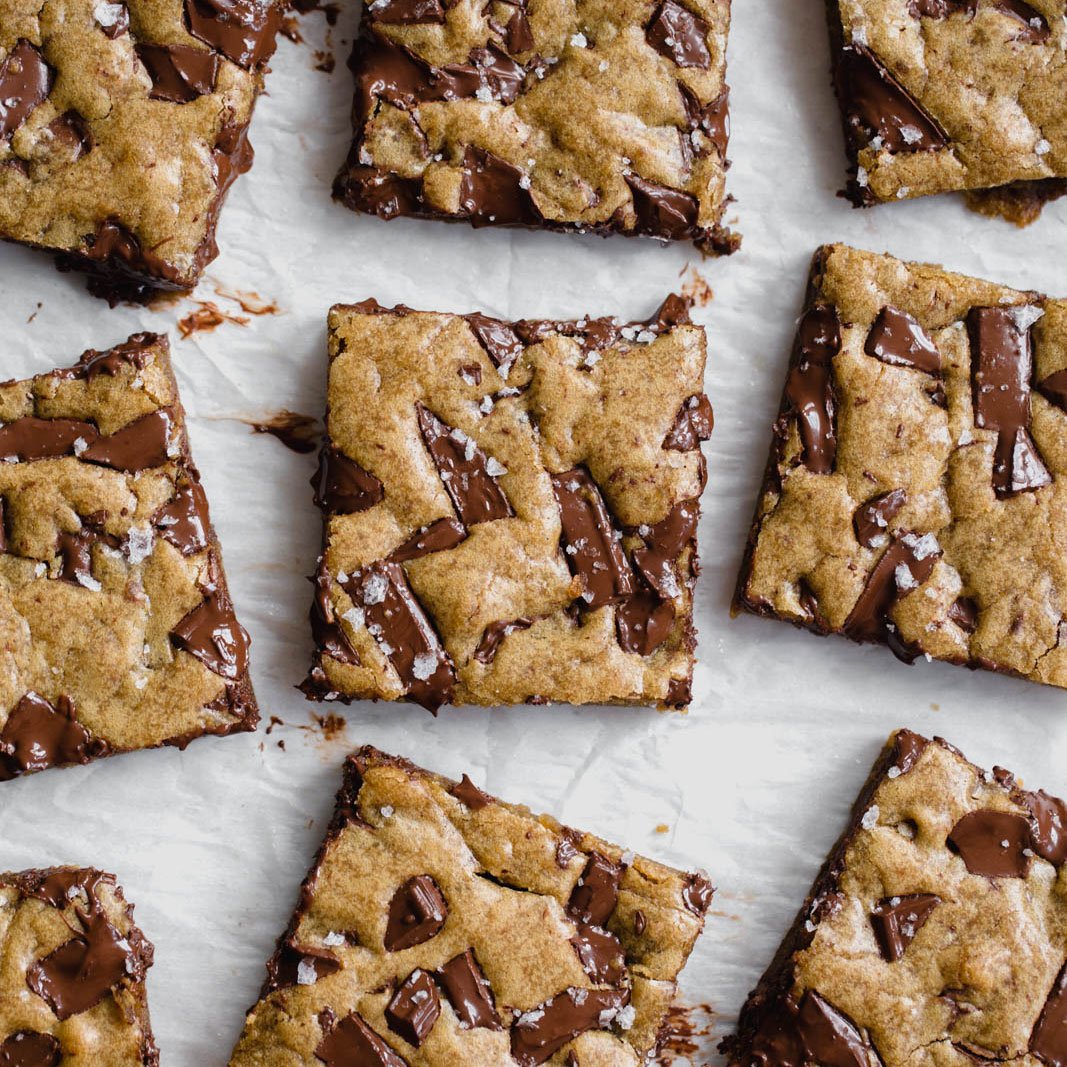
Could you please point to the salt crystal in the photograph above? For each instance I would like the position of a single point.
(306, 973)
(139, 544)
(375, 587)
(579, 40)
(870, 818)
(494, 467)
(1025, 316)
(424, 665)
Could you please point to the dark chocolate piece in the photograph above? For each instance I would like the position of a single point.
(491, 191)
(1048, 828)
(242, 30)
(1048, 1041)
(137, 446)
(697, 894)
(28, 1048)
(417, 912)
(468, 992)
(114, 30)
(964, 613)
(415, 1008)
(940, 9)
(664, 543)
(600, 954)
(809, 388)
(871, 520)
(596, 893)
(993, 844)
(896, 921)
(1054, 389)
(538, 1034)
(812, 1031)
(518, 34)
(212, 634)
(497, 338)
(897, 338)
(680, 35)
(494, 635)
(661, 211)
(38, 735)
(1033, 26)
(180, 73)
(439, 536)
(25, 81)
(407, 12)
(294, 964)
(643, 622)
(692, 425)
(71, 131)
(327, 633)
(183, 521)
(466, 792)
(352, 1043)
(713, 119)
(342, 486)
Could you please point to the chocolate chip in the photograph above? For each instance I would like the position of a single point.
(643, 622)
(342, 486)
(660, 211)
(897, 338)
(692, 424)
(596, 893)
(28, 1048)
(1001, 363)
(469, 992)
(466, 792)
(38, 735)
(713, 119)
(993, 844)
(298, 965)
(242, 30)
(180, 73)
(1048, 826)
(600, 954)
(493, 637)
(680, 35)
(327, 633)
(809, 388)
(212, 634)
(964, 613)
(25, 81)
(407, 12)
(352, 1043)
(71, 131)
(896, 921)
(183, 520)
(871, 520)
(417, 912)
(697, 893)
(415, 1008)
(492, 191)
(1048, 1041)
(439, 536)
(498, 339)
(539, 1034)
(877, 105)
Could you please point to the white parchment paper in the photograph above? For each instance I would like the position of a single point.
(753, 784)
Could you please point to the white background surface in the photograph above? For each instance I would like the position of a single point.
(754, 783)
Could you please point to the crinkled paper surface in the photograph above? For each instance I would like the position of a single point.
(752, 785)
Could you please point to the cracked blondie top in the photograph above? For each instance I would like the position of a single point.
(72, 972)
(510, 509)
(940, 95)
(916, 492)
(441, 926)
(116, 627)
(122, 125)
(589, 115)
(935, 934)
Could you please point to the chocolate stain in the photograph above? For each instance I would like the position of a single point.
(299, 433)
(289, 29)
(686, 1027)
(696, 287)
(35, 311)
(206, 319)
(250, 302)
(324, 59)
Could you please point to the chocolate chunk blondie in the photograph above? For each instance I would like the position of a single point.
(917, 485)
(122, 125)
(440, 926)
(935, 934)
(610, 118)
(510, 509)
(117, 628)
(72, 989)
(940, 95)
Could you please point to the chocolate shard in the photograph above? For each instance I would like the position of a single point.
(499, 340)
(664, 543)
(896, 921)
(897, 338)
(877, 105)
(139, 445)
(242, 30)
(469, 476)
(212, 634)
(183, 520)
(871, 520)
(25, 81)
(964, 613)
(180, 73)
(71, 132)
(600, 954)
(1054, 389)
(439, 536)
(293, 965)
(491, 191)
(30, 438)
(405, 635)
(417, 912)
(539, 1034)
(993, 844)
(352, 1043)
(232, 156)
(693, 424)
(812, 1030)
(590, 539)
(415, 1008)
(660, 211)
(469, 992)
(643, 622)
(28, 1048)
(342, 486)
(467, 793)
(38, 735)
(378, 192)
(1048, 1041)
(327, 633)
(1033, 26)
(713, 119)
(1001, 366)
(518, 35)
(1048, 826)
(406, 12)
(494, 635)
(488, 70)
(680, 35)
(809, 388)
(75, 551)
(596, 892)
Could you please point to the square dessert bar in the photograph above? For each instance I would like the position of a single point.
(441, 926)
(116, 625)
(510, 509)
(935, 934)
(72, 976)
(940, 95)
(589, 116)
(122, 126)
(916, 492)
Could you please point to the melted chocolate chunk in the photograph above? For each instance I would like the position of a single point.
(592, 334)
(539, 1034)
(590, 539)
(640, 922)
(232, 156)
(600, 954)
(713, 119)
(352, 1043)
(4, 526)
(183, 520)
(469, 476)
(897, 338)
(664, 543)
(25, 81)
(896, 921)
(905, 565)
(91, 364)
(1048, 828)
(58, 888)
(119, 250)
(417, 912)
(877, 105)
(697, 893)
(406, 12)
(871, 520)
(38, 735)
(809, 388)
(643, 622)
(494, 636)
(379, 193)
(212, 634)
(993, 844)
(326, 631)
(75, 550)
(679, 693)
(491, 191)
(342, 486)
(405, 635)
(661, 211)
(469, 993)
(139, 445)
(1001, 364)
(964, 613)
(437, 537)
(180, 73)
(242, 30)
(1048, 1041)
(692, 425)
(1054, 389)
(939, 9)
(812, 1031)
(293, 965)
(466, 792)
(31, 438)
(518, 35)
(680, 35)
(596, 893)
(72, 132)
(908, 747)
(1033, 26)
(415, 1008)
(498, 339)
(28, 1048)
